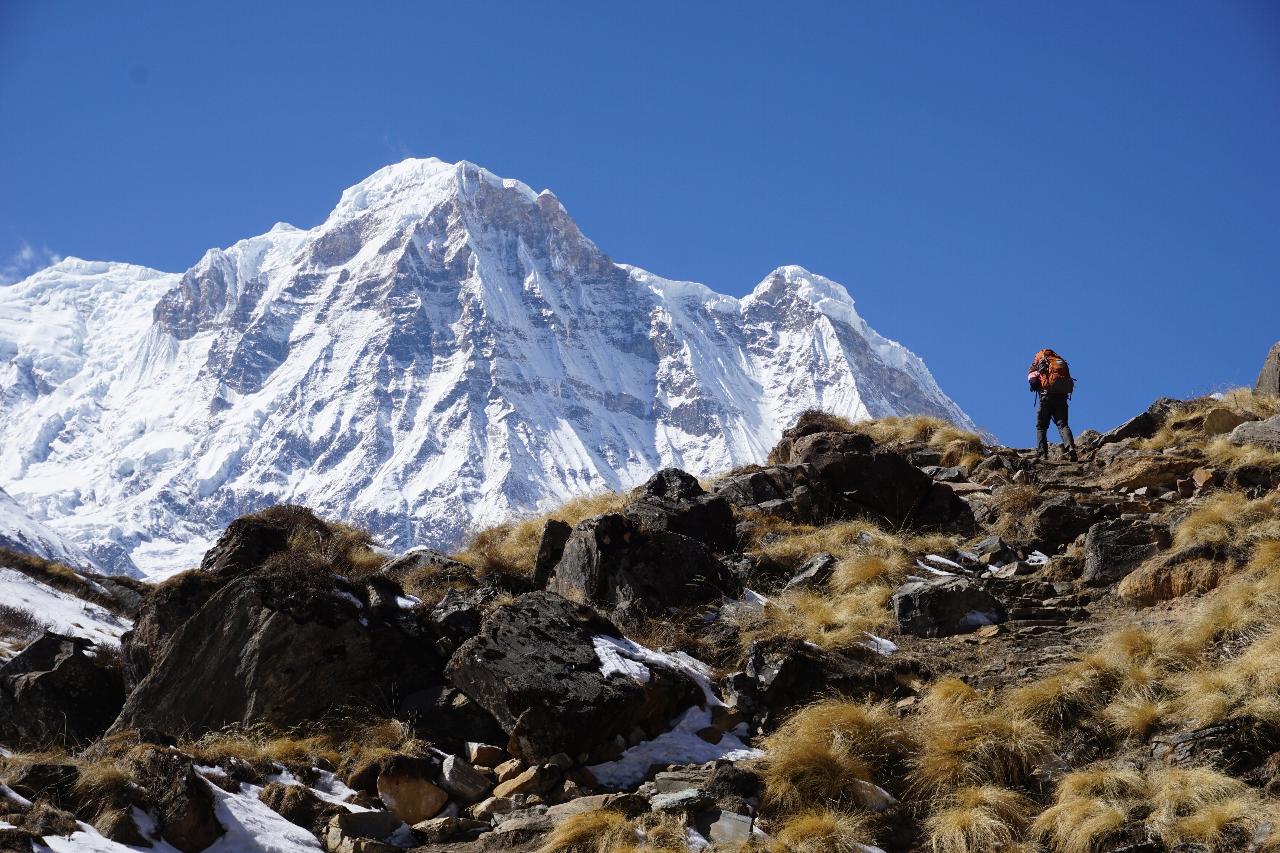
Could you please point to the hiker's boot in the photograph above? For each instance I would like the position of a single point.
(1069, 443)
(1042, 445)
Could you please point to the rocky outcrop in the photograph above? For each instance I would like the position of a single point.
(287, 643)
(1265, 434)
(1269, 377)
(945, 606)
(614, 563)
(535, 668)
(674, 501)
(1113, 549)
(54, 693)
(831, 476)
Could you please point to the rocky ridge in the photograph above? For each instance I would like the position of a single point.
(890, 636)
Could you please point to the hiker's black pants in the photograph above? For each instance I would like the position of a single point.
(1053, 407)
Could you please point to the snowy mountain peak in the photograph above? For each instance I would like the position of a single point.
(444, 351)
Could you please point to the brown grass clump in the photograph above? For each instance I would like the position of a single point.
(823, 831)
(511, 548)
(351, 550)
(600, 831)
(343, 746)
(1183, 426)
(1176, 805)
(812, 757)
(830, 622)
(1230, 522)
(1015, 506)
(958, 446)
(102, 786)
(978, 819)
(21, 626)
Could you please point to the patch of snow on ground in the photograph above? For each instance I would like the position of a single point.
(251, 825)
(62, 611)
(680, 745)
(613, 660)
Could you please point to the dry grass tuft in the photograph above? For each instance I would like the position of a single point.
(343, 746)
(1183, 426)
(511, 548)
(813, 756)
(600, 831)
(964, 742)
(823, 831)
(978, 819)
(830, 622)
(957, 446)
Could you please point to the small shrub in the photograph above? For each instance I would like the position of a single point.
(21, 626)
(978, 819)
(823, 831)
(601, 831)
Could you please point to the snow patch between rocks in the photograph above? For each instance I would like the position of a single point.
(680, 745)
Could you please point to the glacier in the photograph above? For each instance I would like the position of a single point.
(444, 352)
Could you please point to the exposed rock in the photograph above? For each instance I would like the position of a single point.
(533, 780)
(945, 606)
(534, 667)
(184, 806)
(555, 534)
(485, 755)
(407, 789)
(1264, 434)
(1112, 549)
(463, 782)
(631, 805)
(1236, 746)
(674, 501)
(1174, 574)
(447, 828)
(1160, 471)
(1058, 520)
(780, 675)
(448, 717)
(1219, 420)
(53, 693)
(361, 832)
(1269, 376)
(160, 615)
(613, 563)
(787, 491)
(815, 572)
(42, 780)
(456, 617)
(280, 646)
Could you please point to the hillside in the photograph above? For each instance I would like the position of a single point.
(445, 351)
(888, 636)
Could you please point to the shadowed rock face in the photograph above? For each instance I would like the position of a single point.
(534, 667)
(53, 693)
(1269, 377)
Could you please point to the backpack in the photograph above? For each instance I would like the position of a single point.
(1050, 374)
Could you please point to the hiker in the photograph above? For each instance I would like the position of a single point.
(1050, 377)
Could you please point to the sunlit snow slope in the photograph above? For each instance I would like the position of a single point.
(445, 351)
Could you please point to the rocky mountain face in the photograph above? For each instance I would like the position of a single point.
(445, 351)
(940, 642)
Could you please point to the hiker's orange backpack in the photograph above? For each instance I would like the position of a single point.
(1050, 373)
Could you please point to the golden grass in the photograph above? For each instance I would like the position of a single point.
(978, 819)
(992, 748)
(957, 446)
(600, 831)
(831, 622)
(1014, 506)
(1182, 429)
(823, 831)
(344, 746)
(810, 759)
(512, 548)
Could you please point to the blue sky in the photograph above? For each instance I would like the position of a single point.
(985, 178)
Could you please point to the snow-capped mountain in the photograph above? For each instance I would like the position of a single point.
(20, 532)
(445, 351)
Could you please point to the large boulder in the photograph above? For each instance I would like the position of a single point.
(1269, 376)
(1113, 549)
(535, 667)
(822, 477)
(1265, 434)
(1143, 425)
(54, 693)
(1058, 520)
(182, 802)
(674, 501)
(945, 606)
(1176, 573)
(284, 644)
(614, 563)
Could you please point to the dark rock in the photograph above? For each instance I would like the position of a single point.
(161, 614)
(1114, 548)
(945, 475)
(45, 820)
(613, 563)
(250, 540)
(815, 572)
(555, 534)
(674, 501)
(1260, 433)
(787, 491)
(780, 675)
(43, 780)
(946, 606)
(457, 617)
(1269, 376)
(53, 693)
(446, 717)
(1238, 746)
(1143, 425)
(282, 645)
(299, 805)
(534, 667)
(182, 803)
(1059, 520)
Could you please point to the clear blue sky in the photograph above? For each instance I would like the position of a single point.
(985, 178)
